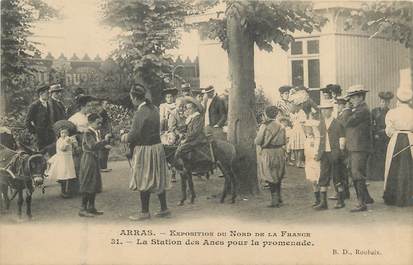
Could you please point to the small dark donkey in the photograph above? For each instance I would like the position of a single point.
(20, 170)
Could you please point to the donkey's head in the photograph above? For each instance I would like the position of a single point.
(36, 166)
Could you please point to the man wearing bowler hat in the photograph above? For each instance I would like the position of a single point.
(57, 110)
(359, 143)
(215, 113)
(38, 119)
(380, 139)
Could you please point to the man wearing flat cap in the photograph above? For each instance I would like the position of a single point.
(56, 108)
(359, 143)
(38, 120)
(380, 139)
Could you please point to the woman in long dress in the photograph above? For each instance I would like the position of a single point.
(271, 154)
(398, 178)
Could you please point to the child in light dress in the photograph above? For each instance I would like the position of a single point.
(311, 147)
(62, 167)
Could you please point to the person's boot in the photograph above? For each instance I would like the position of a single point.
(92, 209)
(83, 210)
(64, 189)
(334, 197)
(367, 199)
(317, 198)
(323, 202)
(274, 200)
(340, 200)
(361, 207)
(280, 200)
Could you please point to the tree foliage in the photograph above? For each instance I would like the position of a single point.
(17, 18)
(267, 22)
(393, 20)
(149, 29)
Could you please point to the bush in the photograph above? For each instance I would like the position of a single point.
(261, 102)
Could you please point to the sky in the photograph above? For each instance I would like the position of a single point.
(80, 31)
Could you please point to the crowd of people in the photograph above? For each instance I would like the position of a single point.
(338, 141)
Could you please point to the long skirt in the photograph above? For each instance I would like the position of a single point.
(149, 169)
(271, 164)
(398, 188)
(297, 138)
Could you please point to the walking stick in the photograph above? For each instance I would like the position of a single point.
(401, 151)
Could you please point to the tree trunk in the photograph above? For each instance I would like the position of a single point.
(241, 117)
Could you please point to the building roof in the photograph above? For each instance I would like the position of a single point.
(218, 11)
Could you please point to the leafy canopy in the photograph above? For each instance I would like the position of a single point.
(393, 20)
(17, 18)
(267, 22)
(149, 29)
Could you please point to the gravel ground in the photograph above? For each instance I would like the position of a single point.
(118, 202)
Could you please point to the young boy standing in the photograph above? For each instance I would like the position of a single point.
(89, 177)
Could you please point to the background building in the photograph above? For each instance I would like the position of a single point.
(333, 55)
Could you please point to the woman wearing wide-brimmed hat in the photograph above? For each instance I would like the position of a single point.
(398, 178)
(167, 107)
(195, 136)
(149, 168)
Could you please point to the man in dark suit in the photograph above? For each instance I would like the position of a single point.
(332, 144)
(38, 119)
(56, 108)
(215, 113)
(359, 143)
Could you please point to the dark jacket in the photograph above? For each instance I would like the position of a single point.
(90, 179)
(38, 117)
(38, 122)
(195, 131)
(217, 112)
(378, 116)
(57, 110)
(358, 129)
(145, 127)
(335, 132)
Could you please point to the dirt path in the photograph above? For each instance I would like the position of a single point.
(118, 202)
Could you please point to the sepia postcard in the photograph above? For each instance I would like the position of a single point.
(206, 132)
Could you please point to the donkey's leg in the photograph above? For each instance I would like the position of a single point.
(183, 188)
(226, 182)
(20, 203)
(4, 200)
(234, 185)
(29, 204)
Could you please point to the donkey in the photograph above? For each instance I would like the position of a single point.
(20, 171)
(225, 157)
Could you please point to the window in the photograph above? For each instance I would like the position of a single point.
(305, 63)
(314, 73)
(313, 47)
(296, 47)
(297, 71)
